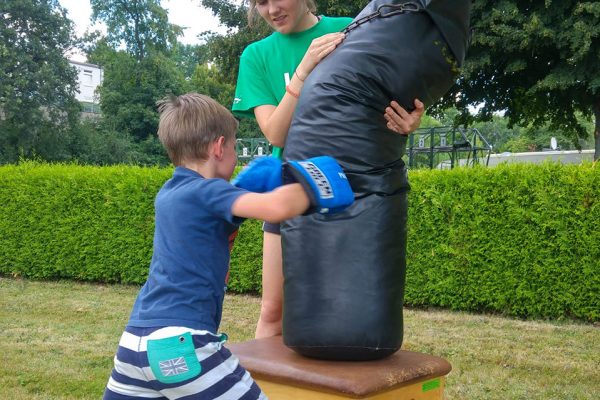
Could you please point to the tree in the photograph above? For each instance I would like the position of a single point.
(135, 78)
(130, 90)
(37, 84)
(140, 25)
(539, 61)
(341, 8)
(187, 57)
(206, 81)
(225, 50)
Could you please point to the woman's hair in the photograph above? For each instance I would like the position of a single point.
(254, 16)
(189, 123)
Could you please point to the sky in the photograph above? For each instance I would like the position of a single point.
(185, 13)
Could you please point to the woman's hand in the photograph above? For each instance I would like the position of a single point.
(401, 121)
(318, 49)
(274, 121)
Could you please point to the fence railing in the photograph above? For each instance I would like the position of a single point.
(247, 149)
(439, 147)
(447, 147)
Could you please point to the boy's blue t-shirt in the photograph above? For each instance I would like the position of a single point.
(186, 282)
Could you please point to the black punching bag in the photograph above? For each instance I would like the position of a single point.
(344, 273)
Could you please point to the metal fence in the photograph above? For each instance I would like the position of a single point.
(439, 147)
(247, 149)
(447, 147)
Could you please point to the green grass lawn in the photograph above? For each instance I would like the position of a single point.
(58, 340)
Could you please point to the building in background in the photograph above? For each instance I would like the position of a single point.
(89, 77)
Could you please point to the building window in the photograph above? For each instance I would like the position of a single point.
(87, 75)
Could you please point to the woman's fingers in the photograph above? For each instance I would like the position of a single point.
(321, 52)
(330, 37)
(419, 109)
(399, 110)
(325, 51)
(391, 124)
(319, 49)
(401, 121)
(397, 118)
(325, 44)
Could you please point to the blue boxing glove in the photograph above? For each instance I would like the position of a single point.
(323, 180)
(263, 174)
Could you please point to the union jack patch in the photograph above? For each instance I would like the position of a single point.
(174, 366)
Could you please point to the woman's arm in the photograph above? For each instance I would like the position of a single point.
(275, 121)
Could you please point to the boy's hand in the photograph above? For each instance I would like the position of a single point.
(263, 174)
(323, 180)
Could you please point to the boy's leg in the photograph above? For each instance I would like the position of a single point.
(110, 395)
(128, 379)
(220, 377)
(226, 380)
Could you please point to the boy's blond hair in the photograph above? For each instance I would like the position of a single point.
(190, 123)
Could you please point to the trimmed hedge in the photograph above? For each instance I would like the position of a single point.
(94, 224)
(519, 239)
(75, 222)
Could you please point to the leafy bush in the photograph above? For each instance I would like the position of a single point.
(246, 259)
(85, 223)
(66, 221)
(517, 239)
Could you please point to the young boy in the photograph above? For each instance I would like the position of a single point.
(170, 348)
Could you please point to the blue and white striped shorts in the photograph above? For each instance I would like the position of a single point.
(221, 376)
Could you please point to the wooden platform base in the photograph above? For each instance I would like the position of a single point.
(285, 375)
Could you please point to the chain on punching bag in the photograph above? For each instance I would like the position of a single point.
(344, 273)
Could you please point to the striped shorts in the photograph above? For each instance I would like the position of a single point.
(220, 377)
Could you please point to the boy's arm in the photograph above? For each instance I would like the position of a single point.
(283, 203)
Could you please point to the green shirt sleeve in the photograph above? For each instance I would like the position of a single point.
(252, 90)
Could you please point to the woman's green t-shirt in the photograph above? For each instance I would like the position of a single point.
(267, 66)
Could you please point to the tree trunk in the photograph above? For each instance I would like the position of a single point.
(597, 130)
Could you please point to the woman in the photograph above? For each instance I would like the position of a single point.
(271, 75)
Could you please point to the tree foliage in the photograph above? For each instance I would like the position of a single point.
(140, 25)
(130, 90)
(37, 84)
(206, 80)
(135, 78)
(341, 8)
(537, 60)
(225, 50)
(187, 57)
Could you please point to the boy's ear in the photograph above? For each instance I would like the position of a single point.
(218, 147)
